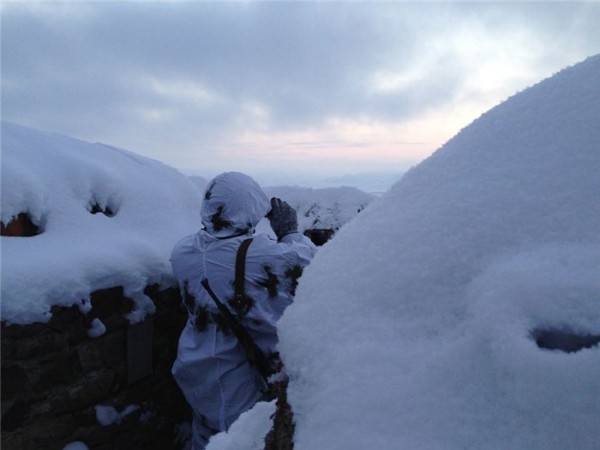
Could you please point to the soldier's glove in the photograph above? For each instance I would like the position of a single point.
(283, 218)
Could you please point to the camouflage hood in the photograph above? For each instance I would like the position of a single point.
(233, 204)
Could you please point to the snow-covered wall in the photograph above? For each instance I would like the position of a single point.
(108, 217)
(77, 290)
(418, 326)
(60, 381)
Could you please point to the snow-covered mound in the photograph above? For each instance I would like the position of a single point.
(416, 327)
(107, 217)
(248, 431)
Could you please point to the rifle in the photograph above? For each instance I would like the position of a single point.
(254, 354)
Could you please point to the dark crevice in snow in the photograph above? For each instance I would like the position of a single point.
(319, 236)
(110, 301)
(564, 340)
(95, 208)
(21, 226)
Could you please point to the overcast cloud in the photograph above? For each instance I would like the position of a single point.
(208, 87)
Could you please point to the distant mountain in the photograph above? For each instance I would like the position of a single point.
(373, 183)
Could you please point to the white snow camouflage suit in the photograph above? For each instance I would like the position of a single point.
(211, 368)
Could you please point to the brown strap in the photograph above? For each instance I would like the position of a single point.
(240, 268)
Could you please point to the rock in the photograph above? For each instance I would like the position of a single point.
(14, 381)
(62, 368)
(91, 389)
(16, 415)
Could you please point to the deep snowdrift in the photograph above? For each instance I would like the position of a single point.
(415, 328)
(59, 182)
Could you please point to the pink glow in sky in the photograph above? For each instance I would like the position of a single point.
(292, 89)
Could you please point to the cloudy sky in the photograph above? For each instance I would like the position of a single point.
(290, 88)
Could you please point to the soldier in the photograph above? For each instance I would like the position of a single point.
(212, 368)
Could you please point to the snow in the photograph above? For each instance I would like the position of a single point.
(57, 180)
(414, 327)
(108, 415)
(248, 432)
(77, 445)
(97, 328)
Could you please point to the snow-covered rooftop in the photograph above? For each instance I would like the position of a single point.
(416, 327)
(108, 217)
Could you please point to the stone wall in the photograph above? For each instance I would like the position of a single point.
(54, 374)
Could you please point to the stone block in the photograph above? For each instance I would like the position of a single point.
(41, 345)
(69, 321)
(48, 431)
(21, 331)
(90, 390)
(169, 400)
(7, 348)
(157, 435)
(41, 407)
(63, 368)
(90, 356)
(72, 373)
(115, 322)
(120, 372)
(86, 417)
(111, 301)
(96, 436)
(5, 405)
(16, 416)
(139, 351)
(12, 441)
(113, 348)
(14, 381)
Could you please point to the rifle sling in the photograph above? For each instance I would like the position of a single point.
(240, 267)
